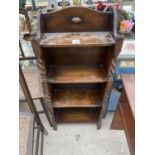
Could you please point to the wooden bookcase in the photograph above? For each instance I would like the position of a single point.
(76, 48)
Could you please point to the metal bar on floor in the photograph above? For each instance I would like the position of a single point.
(46, 110)
(25, 13)
(21, 49)
(37, 141)
(42, 143)
(29, 98)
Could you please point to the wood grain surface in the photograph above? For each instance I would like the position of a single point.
(129, 86)
(77, 98)
(125, 112)
(62, 20)
(78, 115)
(76, 74)
(77, 39)
(77, 46)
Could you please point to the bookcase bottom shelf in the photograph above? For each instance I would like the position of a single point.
(77, 115)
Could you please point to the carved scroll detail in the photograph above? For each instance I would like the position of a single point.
(107, 95)
(46, 88)
(112, 68)
(105, 99)
(119, 43)
(104, 103)
(47, 93)
(48, 98)
(42, 69)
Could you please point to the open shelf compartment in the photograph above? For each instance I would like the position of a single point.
(77, 95)
(67, 98)
(78, 115)
(76, 74)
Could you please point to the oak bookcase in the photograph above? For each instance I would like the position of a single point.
(76, 49)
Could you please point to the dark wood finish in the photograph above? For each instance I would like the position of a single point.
(76, 55)
(77, 115)
(106, 93)
(119, 43)
(61, 20)
(48, 98)
(129, 84)
(125, 114)
(76, 74)
(79, 39)
(76, 48)
(129, 125)
(117, 122)
(43, 103)
(77, 98)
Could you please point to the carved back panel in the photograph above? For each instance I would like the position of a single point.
(76, 19)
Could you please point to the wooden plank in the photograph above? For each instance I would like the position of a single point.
(125, 111)
(77, 98)
(21, 49)
(129, 125)
(129, 86)
(28, 97)
(117, 123)
(78, 115)
(78, 39)
(76, 74)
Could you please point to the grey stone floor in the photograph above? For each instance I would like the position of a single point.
(83, 139)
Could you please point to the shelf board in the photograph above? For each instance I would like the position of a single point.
(68, 98)
(77, 115)
(76, 74)
(76, 39)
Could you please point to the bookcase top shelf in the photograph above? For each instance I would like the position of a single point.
(78, 39)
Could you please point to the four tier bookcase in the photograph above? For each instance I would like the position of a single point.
(76, 49)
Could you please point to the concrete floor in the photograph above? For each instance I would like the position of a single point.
(84, 139)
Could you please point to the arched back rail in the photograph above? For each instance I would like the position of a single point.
(76, 19)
